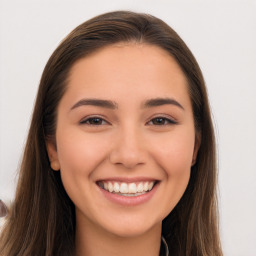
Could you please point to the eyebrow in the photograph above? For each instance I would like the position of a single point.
(113, 105)
(162, 101)
(95, 102)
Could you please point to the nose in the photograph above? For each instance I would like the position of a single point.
(128, 149)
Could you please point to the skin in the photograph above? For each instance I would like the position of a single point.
(127, 141)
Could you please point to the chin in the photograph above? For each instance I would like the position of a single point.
(132, 226)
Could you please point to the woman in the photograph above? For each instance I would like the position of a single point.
(120, 156)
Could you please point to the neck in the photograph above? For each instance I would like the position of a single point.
(93, 241)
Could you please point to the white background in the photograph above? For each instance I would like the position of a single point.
(222, 36)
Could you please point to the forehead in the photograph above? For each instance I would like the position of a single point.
(128, 69)
(134, 56)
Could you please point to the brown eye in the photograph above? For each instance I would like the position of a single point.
(94, 121)
(161, 121)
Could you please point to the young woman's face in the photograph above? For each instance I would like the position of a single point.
(125, 138)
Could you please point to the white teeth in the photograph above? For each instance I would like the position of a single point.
(127, 189)
(116, 187)
(124, 188)
(132, 188)
(110, 187)
(145, 188)
(140, 187)
(105, 184)
(150, 186)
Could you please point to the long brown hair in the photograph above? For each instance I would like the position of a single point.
(42, 220)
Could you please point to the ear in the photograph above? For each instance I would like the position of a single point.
(196, 148)
(53, 155)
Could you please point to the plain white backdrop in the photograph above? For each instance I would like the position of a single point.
(222, 36)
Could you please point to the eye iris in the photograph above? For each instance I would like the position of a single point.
(96, 121)
(159, 121)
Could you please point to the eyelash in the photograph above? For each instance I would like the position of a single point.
(101, 121)
(167, 121)
(88, 120)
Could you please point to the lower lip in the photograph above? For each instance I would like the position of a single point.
(129, 200)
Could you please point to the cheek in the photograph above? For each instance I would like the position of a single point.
(176, 163)
(174, 156)
(175, 152)
(79, 153)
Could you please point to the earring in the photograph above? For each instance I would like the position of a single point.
(55, 165)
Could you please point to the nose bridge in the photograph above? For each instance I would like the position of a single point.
(128, 149)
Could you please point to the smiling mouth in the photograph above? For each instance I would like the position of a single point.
(127, 189)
